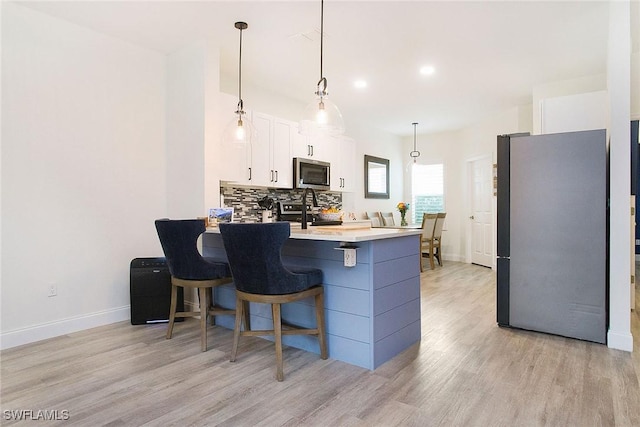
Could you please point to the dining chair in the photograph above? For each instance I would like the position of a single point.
(376, 219)
(254, 255)
(189, 269)
(387, 218)
(437, 236)
(426, 242)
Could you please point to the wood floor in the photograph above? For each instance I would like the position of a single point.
(465, 372)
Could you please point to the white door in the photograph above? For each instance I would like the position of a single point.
(481, 219)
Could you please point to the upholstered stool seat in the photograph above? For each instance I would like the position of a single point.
(190, 270)
(254, 255)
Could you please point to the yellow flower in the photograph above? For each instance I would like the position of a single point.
(403, 207)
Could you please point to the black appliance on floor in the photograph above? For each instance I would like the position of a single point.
(150, 291)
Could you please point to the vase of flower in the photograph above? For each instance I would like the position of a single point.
(403, 208)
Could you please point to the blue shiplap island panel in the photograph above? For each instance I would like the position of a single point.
(372, 310)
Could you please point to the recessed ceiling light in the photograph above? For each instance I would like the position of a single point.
(360, 84)
(427, 70)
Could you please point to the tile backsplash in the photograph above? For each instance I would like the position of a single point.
(244, 200)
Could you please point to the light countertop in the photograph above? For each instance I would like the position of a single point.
(342, 233)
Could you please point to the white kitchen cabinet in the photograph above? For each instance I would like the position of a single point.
(312, 147)
(343, 164)
(269, 157)
(281, 174)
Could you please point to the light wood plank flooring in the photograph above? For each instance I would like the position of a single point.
(465, 372)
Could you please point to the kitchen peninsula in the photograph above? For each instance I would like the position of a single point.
(372, 309)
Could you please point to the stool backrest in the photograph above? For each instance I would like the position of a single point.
(179, 243)
(254, 256)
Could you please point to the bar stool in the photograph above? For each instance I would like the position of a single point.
(190, 270)
(254, 255)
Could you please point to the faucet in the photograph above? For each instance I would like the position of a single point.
(304, 205)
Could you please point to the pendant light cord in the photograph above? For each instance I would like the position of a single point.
(240, 26)
(322, 83)
(321, 35)
(240, 106)
(415, 153)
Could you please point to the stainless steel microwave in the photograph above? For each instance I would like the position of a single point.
(309, 173)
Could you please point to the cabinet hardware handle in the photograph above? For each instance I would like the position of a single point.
(308, 150)
(271, 172)
(276, 176)
(472, 217)
(249, 174)
(312, 151)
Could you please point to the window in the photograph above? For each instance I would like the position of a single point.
(427, 190)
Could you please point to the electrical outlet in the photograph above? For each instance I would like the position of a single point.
(53, 290)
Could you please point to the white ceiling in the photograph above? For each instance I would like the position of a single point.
(488, 55)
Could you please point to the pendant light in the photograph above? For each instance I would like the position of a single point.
(240, 131)
(321, 115)
(415, 153)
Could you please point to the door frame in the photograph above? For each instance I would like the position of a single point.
(469, 204)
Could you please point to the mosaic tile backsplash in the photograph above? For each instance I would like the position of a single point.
(244, 200)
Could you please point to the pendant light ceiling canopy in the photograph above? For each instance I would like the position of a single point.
(321, 115)
(240, 131)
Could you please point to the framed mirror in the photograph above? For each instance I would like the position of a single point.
(376, 177)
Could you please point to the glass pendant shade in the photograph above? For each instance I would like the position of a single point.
(239, 131)
(409, 165)
(321, 116)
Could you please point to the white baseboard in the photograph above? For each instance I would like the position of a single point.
(455, 258)
(62, 327)
(620, 341)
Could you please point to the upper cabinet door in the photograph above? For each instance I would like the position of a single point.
(260, 150)
(311, 147)
(348, 164)
(281, 160)
(343, 164)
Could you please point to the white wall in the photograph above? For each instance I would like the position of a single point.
(563, 88)
(83, 173)
(375, 142)
(185, 132)
(620, 234)
(635, 60)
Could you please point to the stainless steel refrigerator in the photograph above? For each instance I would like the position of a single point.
(552, 233)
